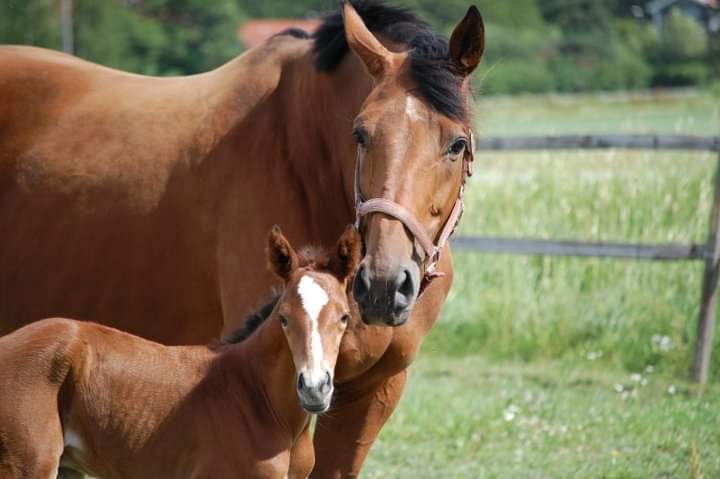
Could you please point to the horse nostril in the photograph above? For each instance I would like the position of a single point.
(407, 287)
(301, 382)
(361, 285)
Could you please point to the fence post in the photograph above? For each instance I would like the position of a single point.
(706, 320)
(66, 26)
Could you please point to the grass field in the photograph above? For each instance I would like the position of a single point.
(561, 367)
(470, 418)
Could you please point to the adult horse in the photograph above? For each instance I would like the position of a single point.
(124, 199)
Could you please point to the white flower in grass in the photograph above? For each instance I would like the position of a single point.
(649, 369)
(662, 342)
(636, 377)
(510, 412)
(671, 389)
(593, 355)
(618, 388)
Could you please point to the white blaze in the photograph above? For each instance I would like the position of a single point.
(411, 110)
(314, 299)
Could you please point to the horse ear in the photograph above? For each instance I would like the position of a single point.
(467, 42)
(281, 257)
(347, 254)
(374, 55)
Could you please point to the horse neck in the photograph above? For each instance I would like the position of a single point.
(270, 377)
(300, 138)
(319, 135)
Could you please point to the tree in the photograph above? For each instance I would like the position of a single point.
(29, 22)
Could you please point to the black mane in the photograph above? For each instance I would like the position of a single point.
(438, 80)
(252, 321)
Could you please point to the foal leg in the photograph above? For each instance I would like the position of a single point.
(344, 436)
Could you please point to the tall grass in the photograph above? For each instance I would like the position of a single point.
(632, 314)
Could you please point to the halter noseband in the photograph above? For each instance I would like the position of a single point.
(388, 207)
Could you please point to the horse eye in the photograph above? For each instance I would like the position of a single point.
(345, 318)
(283, 321)
(457, 147)
(360, 137)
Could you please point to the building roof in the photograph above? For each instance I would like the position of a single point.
(254, 32)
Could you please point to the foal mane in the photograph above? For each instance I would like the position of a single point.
(312, 257)
(438, 80)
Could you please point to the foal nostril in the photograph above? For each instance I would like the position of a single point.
(301, 382)
(328, 381)
(361, 285)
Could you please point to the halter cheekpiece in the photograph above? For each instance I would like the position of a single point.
(395, 210)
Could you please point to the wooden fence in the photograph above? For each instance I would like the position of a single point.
(709, 251)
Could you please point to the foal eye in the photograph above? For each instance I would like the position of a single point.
(457, 147)
(345, 318)
(283, 321)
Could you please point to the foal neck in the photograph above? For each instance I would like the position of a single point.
(270, 378)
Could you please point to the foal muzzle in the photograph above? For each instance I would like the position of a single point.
(315, 393)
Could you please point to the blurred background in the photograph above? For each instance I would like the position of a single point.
(533, 45)
(539, 367)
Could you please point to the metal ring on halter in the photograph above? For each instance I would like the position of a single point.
(408, 219)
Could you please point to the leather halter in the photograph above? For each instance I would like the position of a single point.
(395, 210)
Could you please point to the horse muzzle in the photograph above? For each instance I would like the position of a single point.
(386, 300)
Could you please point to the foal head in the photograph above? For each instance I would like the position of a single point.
(413, 141)
(313, 310)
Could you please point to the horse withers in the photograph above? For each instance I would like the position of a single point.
(91, 399)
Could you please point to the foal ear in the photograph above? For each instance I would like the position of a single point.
(374, 55)
(347, 254)
(282, 259)
(467, 42)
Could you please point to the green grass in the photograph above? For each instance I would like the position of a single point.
(555, 337)
(689, 112)
(470, 418)
(525, 307)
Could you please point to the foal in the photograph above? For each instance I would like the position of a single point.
(102, 402)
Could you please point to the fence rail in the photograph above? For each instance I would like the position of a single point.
(633, 142)
(531, 246)
(709, 252)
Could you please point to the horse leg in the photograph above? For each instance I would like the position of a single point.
(343, 437)
(302, 456)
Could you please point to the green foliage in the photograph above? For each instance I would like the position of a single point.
(285, 8)
(514, 76)
(29, 22)
(682, 74)
(682, 39)
(680, 57)
(200, 35)
(532, 45)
